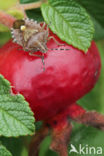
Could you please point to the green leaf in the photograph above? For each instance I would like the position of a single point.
(14, 145)
(44, 148)
(7, 4)
(70, 22)
(3, 28)
(4, 37)
(87, 136)
(96, 9)
(18, 14)
(4, 151)
(16, 118)
(99, 30)
(28, 1)
(35, 14)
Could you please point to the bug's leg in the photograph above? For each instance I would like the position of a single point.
(42, 46)
(51, 37)
(49, 49)
(23, 48)
(44, 51)
(32, 54)
(43, 26)
(43, 62)
(42, 57)
(20, 49)
(47, 29)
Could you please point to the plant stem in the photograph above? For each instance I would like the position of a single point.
(30, 5)
(36, 141)
(6, 19)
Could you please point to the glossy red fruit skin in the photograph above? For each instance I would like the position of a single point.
(69, 75)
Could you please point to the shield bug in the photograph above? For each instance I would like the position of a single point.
(32, 36)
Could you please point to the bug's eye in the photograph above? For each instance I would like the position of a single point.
(18, 23)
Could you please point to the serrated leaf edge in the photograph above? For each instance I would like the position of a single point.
(83, 49)
(23, 100)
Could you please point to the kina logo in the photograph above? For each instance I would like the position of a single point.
(83, 150)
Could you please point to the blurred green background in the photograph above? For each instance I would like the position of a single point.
(92, 101)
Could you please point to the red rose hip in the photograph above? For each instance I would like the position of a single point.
(69, 74)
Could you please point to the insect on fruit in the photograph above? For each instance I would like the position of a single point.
(52, 95)
(31, 36)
